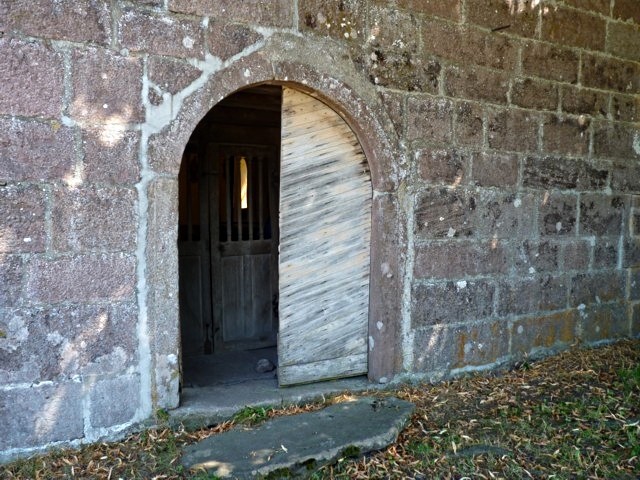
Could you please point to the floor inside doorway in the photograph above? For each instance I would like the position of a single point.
(217, 386)
(228, 368)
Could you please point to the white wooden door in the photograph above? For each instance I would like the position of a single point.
(325, 230)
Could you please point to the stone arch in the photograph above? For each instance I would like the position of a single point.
(333, 80)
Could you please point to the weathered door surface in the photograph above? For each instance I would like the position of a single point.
(244, 235)
(325, 229)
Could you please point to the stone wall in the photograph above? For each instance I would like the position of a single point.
(503, 138)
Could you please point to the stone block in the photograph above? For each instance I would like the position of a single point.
(66, 341)
(537, 256)
(625, 179)
(275, 13)
(115, 350)
(562, 173)
(634, 218)
(469, 124)
(393, 58)
(566, 135)
(32, 150)
(602, 7)
(171, 75)
(31, 76)
(626, 10)
(22, 212)
(605, 253)
(635, 320)
(550, 61)
(443, 348)
(340, 19)
(16, 368)
(635, 223)
(435, 349)
(557, 214)
(429, 119)
(495, 170)
(476, 83)
(162, 251)
(520, 296)
(225, 40)
(114, 401)
(94, 218)
(534, 94)
(576, 255)
(106, 88)
(450, 10)
(162, 298)
(515, 130)
(608, 73)
(50, 413)
(616, 140)
(480, 213)
(574, 28)
(505, 215)
(393, 70)
(81, 278)
(102, 146)
(623, 40)
(515, 18)
(162, 34)
(440, 166)
(387, 265)
(584, 101)
(597, 287)
(546, 331)
(451, 302)
(455, 259)
(625, 108)
(631, 253)
(76, 21)
(11, 279)
(394, 106)
(601, 214)
(604, 322)
(482, 344)
(446, 213)
(467, 45)
(394, 30)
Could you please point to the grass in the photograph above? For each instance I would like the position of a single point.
(575, 415)
(252, 415)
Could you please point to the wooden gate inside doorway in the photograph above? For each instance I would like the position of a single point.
(244, 233)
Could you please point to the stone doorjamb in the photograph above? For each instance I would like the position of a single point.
(327, 73)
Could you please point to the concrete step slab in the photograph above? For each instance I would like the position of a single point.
(295, 442)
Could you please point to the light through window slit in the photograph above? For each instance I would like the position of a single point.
(244, 181)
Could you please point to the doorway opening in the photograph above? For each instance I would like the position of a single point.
(274, 243)
(228, 240)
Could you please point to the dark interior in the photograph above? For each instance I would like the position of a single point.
(227, 239)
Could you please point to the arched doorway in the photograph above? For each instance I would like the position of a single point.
(274, 240)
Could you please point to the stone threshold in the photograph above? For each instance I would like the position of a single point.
(208, 405)
(288, 445)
